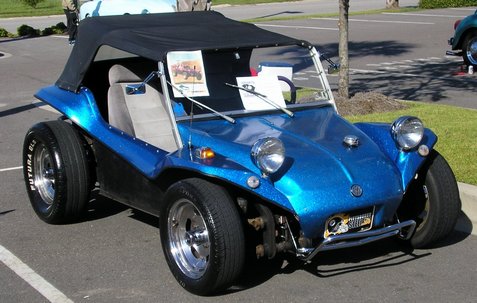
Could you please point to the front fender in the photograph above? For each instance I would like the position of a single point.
(229, 171)
(407, 162)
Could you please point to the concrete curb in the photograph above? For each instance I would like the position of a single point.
(468, 220)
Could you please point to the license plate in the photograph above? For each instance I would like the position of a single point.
(356, 221)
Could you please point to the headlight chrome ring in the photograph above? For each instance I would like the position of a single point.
(268, 154)
(407, 132)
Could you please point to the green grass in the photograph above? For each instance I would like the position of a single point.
(329, 15)
(455, 128)
(16, 8)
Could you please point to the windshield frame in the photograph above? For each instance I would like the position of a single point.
(314, 55)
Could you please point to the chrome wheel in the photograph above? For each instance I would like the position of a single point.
(471, 51)
(189, 238)
(44, 174)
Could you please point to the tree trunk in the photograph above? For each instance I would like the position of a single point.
(343, 83)
(392, 4)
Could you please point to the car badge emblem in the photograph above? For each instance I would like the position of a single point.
(351, 141)
(356, 190)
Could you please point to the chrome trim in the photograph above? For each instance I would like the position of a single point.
(315, 55)
(343, 240)
(168, 103)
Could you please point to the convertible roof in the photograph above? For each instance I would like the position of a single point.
(154, 35)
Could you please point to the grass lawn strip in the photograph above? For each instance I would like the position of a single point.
(455, 128)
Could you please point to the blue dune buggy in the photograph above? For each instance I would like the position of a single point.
(252, 158)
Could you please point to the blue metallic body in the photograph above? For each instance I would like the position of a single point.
(315, 180)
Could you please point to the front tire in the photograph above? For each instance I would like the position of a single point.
(469, 48)
(56, 172)
(202, 236)
(432, 200)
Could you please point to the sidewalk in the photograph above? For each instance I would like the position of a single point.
(468, 222)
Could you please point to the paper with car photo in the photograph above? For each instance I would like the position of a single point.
(186, 69)
(266, 85)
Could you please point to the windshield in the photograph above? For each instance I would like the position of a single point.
(245, 81)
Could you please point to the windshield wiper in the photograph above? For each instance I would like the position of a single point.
(201, 105)
(262, 97)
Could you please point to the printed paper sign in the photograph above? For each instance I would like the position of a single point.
(266, 85)
(187, 72)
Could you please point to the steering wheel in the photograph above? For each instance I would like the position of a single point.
(292, 89)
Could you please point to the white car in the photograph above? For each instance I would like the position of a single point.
(123, 7)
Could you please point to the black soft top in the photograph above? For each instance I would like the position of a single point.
(152, 36)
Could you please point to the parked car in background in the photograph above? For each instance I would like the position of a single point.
(464, 41)
(233, 164)
(133, 7)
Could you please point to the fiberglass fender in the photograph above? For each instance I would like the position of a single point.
(407, 162)
(227, 170)
(467, 25)
(82, 110)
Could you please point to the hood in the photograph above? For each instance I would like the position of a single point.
(319, 169)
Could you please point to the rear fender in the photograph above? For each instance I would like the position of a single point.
(407, 162)
(81, 108)
(467, 25)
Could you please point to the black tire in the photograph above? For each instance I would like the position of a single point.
(469, 48)
(205, 214)
(199, 76)
(56, 172)
(432, 200)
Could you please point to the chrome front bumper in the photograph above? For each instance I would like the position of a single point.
(403, 230)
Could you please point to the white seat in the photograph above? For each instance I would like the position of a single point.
(141, 115)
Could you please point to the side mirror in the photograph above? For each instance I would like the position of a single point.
(140, 89)
(136, 89)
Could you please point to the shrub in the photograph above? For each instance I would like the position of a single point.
(446, 3)
(4, 33)
(25, 30)
(59, 28)
(47, 31)
(32, 3)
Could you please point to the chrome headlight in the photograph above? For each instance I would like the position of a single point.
(407, 132)
(268, 154)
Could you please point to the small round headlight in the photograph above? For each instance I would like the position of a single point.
(268, 154)
(407, 132)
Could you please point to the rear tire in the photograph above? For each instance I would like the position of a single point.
(432, 200)
(202, 236)
(469, 48)
(56, 171)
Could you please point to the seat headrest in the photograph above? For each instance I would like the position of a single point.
(119, 74)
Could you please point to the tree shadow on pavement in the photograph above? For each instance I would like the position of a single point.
(426, 81)
(359, 49)
(420, 79)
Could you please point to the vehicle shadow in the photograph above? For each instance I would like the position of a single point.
(101, 207)
(386, 253)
